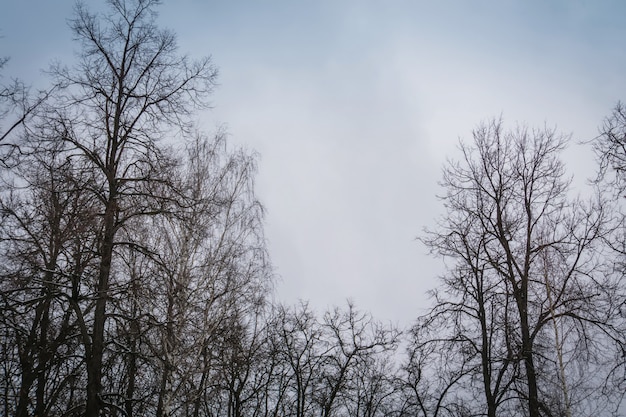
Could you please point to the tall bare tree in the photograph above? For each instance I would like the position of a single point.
(129, 88)
(525, 260)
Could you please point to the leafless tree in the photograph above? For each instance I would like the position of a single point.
(436, 375)
(129, 88)
(526, 264)
(47, 242)
(610, 149)
(301, 345)
(214, 263)
(334, 365)
(372, 388)
(354, 339)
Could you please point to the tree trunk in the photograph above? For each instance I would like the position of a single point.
(28, 378)
(94, 360)
(485, 357)
(527, 352)
(132, 370)
(43, 360)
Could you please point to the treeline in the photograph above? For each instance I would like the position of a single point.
(135, 278)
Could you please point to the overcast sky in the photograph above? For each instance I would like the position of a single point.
(354, 106)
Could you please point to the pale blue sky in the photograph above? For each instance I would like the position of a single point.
(354, 106)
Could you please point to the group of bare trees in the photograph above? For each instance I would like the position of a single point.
(120, 251)
(135, 280)
(134, 270)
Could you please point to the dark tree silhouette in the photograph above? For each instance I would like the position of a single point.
(526, 296)
(130, 87)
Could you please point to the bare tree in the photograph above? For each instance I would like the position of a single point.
(610, 149)
(336, 365)
(46, 241)
(526, 258)
(472, 321)
(213, 260)
(130, 87)
(354, 339)
(438, 376)
(302, 347)
(372, 388)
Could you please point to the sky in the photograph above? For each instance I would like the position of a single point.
(355, 105)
